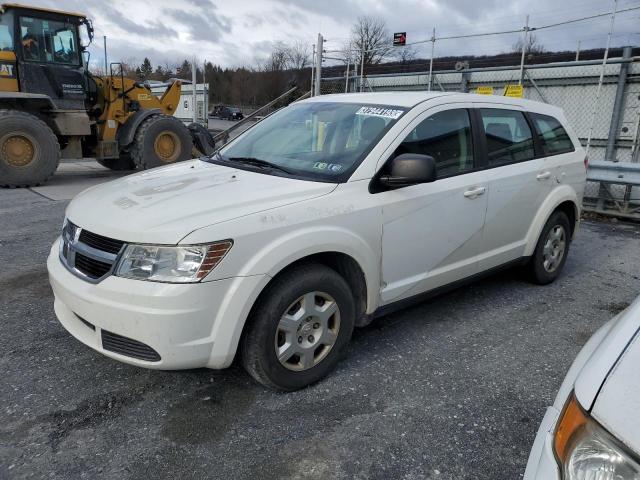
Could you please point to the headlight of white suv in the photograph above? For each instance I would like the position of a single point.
(586, 451)
(182, 264)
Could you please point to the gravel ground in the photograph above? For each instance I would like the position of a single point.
(450, 389)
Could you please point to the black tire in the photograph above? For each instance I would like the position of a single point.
(538, 272)
(144, 153)
(29, 150)
(258, 344)
(124, 163)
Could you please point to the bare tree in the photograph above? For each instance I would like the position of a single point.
(533, 46)
(128, 66)
(298, 55)
(370, 35)
(405, 54)
(278, 59)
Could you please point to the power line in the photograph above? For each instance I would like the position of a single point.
(503, 32)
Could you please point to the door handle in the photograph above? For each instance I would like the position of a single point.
(475, 192)
(543, 175)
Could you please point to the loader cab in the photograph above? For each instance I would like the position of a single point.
(43, 51)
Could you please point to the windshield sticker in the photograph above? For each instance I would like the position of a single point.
(380, 112)
(330, 167)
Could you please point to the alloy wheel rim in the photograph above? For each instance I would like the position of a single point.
(554, 247)
(307, 331)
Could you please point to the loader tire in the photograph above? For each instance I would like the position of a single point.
(125, 162)
(29, 150)
(160, 140)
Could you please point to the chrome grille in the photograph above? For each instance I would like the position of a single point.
(99, 242)
(88, 255)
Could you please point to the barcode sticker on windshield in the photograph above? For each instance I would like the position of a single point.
(380, 112)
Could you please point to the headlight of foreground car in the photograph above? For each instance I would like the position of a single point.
(586, 451)
(159, 263)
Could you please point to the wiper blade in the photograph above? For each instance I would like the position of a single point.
(257, 162)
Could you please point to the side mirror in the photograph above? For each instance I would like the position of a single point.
(410, 169)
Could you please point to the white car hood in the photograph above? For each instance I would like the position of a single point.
(617, 406)
(164, 205)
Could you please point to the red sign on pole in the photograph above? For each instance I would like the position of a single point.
(399, 39)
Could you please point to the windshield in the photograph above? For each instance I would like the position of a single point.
(317, 141)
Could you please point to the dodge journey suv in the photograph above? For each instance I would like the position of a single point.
(324, 215)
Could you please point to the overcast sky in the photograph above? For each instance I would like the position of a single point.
(242, 32)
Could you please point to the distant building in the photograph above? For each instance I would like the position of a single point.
(185, 107)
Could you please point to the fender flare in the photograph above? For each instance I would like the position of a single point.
(127, 132)
(560, 194)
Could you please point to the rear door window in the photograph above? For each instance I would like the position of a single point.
(509, 137)
(553, 137)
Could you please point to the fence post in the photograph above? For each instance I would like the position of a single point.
(524, 49)
(616, 116)
(346, 82)
(362, 70)
(318, 78)
(464, 81)
(433, 48)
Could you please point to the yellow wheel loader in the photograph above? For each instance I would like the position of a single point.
(51, 107)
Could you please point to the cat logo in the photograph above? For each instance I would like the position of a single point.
(143, 97)
(7, 70)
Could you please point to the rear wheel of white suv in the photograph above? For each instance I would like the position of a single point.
(551, 250)
(299, 328)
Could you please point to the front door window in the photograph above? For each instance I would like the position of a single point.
(49, 41)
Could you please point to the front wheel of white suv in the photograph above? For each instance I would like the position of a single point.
(299, 328)
(552, 249)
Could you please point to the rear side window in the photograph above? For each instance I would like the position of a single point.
(553, 137)
(446, 136)
(508, 135)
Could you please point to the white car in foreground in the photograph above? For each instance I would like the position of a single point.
(592, 431)
(323, 215)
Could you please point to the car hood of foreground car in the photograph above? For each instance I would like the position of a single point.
(609, 384)
(617, 406)
(165, 204)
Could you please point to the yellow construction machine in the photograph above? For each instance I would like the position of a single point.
(52, 107)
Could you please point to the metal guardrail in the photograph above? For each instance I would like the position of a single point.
(618, 189)
(621, 173)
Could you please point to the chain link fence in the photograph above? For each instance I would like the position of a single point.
(606, 116)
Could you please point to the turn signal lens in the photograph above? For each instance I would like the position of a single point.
(572, 420)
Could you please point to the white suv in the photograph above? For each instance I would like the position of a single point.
(324, 215)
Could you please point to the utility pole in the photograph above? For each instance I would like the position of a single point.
(313, 66)
(194, 95)
(433, 49)
(319, 48)
(578, 51)
(205, 94)
(106, 71)
(524, 49)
